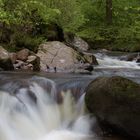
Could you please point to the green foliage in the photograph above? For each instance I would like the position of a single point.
(23, 11)
(70, 17)
(21, 40)
(27, 41)
(66, 13)
(24, 20)
(84, 18)
(125, 29)
(16, 39)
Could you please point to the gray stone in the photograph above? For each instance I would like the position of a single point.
(80, 44)
(76, 42)
(115, 101)
(56, 54)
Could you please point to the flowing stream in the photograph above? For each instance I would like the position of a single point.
(41, 106)
(112, 65)
(111, 61)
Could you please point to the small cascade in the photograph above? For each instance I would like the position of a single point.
(29, 111)
(106, 61)
(76, 86)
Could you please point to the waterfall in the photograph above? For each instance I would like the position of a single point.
(23, 118)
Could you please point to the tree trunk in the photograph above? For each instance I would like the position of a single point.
(109, 12)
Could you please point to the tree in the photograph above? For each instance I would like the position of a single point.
(106, 21)
(109, 12)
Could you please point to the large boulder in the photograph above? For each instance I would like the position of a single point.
(23, 54)
(116, 102)
(57, 55)
(5, 61)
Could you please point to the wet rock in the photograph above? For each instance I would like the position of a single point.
(92, 57)
(138, 60)
(116, 103)
(130, 57)
(56, 54)
(89, 68)
(23, 54)
(5, 61)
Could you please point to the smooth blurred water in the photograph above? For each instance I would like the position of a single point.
(22, 118)
(112, 65)
(106, 61)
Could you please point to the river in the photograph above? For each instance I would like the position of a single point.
(50, 106)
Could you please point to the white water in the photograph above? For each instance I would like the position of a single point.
(113, 62)
(44, 120)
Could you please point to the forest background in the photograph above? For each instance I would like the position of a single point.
(109, 24)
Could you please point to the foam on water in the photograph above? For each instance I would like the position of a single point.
(22, 119)
(113, 62)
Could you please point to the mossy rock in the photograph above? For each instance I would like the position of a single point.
(116, 102)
